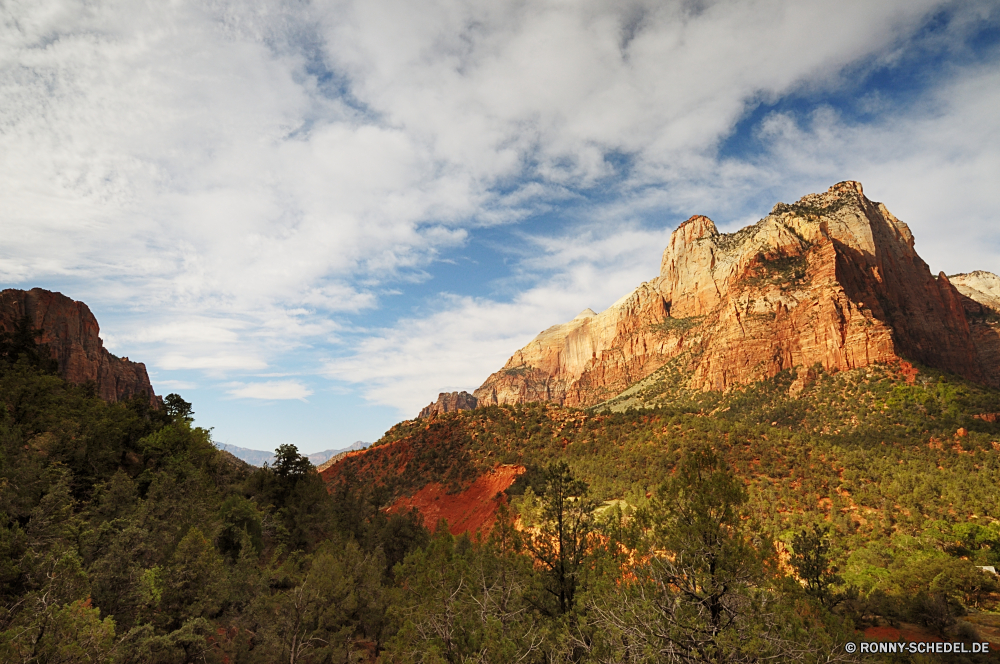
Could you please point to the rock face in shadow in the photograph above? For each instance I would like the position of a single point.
(71, 332)
(449, 402)
(832, 279)
(981, 301)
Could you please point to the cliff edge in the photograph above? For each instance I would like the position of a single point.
(71, 332)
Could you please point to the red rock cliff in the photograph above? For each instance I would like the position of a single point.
(448, 402)
(832, 279)
(72, 333)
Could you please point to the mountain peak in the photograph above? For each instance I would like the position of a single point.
(831, 279)
(848, 186)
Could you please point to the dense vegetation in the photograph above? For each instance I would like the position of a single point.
(126, 536)
(752, 526)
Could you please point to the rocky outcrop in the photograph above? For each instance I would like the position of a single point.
(979, 286)
(832, 279)
(72, 334)
(449, 402)
(590, 358)
(981, 300)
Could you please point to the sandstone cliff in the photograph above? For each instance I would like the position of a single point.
(71, 332)
(981, 300)
(831, 279)
(449, 402)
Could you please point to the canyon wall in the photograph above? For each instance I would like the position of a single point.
(449, 402)
(72, 334)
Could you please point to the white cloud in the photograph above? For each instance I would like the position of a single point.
(215, 364)
(241, 177)
(272, 390)
(457, 347)
(557, 84)
(932, 163)
(172, 385)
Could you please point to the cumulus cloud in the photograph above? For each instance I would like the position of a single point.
(273, 390)
(171, 385)
(238, 180)
(458, 346)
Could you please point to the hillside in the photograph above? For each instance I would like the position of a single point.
(127, 537)
(884, 449)
(846, 390)
(901, 465)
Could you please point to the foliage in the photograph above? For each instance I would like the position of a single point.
(671, 325)
(20, 345)
(561, 538)
(650, 534)
(811, 561)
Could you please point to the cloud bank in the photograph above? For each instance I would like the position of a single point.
(244, 182)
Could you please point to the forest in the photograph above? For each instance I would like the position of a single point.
(767, 524)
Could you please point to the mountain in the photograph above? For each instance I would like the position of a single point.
(830, 285)
(72, 334)
(259, 457)
(841, 506)
(449, 402)
(832, 280)
(253, 457)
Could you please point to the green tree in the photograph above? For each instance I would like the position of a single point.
(177, 408)
(21, 344)
(703, 591)
(60, 634)
(811, 561)
(328, 599)
(468, 601)
(289, 464)
(192, 585)
(563, 537)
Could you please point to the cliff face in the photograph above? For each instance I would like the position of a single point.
(71, 332)
(832, 279)
(981, 301)
(449, 402)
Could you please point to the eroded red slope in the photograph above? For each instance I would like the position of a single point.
(469, 511)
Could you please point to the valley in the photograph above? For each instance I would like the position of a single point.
(786, 441)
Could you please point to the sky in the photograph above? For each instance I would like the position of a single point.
(310, 218)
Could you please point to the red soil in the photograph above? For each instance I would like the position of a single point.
(472, 510)
(909, 372)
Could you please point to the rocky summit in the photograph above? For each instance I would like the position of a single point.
(449, 402)
(832, 279)
(71, 332)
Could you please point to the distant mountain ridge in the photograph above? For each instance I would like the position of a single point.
(260, 457)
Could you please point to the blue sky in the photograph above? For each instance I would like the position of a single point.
(309, 218)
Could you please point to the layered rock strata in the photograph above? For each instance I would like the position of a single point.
(449, 402)
(832, 279)
(73, 335)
